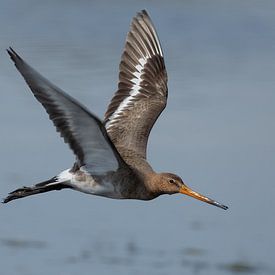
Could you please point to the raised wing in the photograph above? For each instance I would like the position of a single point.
(142, 88)
(83, 131)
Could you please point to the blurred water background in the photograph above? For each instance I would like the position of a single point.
(217, 132)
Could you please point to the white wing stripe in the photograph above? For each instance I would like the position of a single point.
(132, 94)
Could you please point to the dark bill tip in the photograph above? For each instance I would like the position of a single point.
(189, 192)
(219, 205)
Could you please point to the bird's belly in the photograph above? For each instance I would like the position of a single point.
(90, 185)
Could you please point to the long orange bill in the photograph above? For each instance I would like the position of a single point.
(189, 192)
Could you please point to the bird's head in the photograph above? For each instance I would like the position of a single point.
(171, 184)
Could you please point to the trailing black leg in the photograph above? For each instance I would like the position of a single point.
(42, 187)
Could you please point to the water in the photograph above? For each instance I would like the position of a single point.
(217, 133)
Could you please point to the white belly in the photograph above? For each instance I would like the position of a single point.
(85, 183)
(90, 186)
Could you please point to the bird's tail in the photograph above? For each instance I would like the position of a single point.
(42, 187)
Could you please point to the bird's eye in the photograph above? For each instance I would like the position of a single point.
(172, 181)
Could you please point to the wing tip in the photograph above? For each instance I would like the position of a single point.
(13, 55)
(143, 24)
(142, 15)
(143, 12)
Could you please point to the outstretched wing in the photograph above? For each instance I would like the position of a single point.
(83, 131)
(142, 88)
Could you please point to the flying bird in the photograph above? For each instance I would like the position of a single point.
(111, 154)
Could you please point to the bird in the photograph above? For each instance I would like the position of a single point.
(110, 154)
